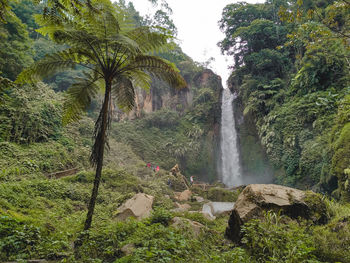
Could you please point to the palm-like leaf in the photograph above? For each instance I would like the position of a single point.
(148, 40)
(51, 64)
(79, 97)
(124, 93)
(158, 68)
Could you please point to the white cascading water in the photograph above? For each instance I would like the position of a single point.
(230, 168)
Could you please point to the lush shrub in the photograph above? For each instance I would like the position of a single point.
(156, 243)
(20, 240)
(271, 241)
(30, 115)
(332, 240)
(16, 239)
(162, 216)
(233, 255)
(222, 195)
(162, 119)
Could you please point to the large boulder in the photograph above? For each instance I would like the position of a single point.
(139, 206)
(257, 198)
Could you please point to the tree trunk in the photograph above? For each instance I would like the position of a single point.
(99, 164)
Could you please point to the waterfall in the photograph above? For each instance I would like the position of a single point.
(230, 169)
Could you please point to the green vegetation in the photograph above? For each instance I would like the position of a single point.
(42, 218)
(292, 80)
(271, 241)
(113, 54)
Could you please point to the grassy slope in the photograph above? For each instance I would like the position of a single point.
(41, 218)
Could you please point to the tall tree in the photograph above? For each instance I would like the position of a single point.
(117, 56)
(15, 47)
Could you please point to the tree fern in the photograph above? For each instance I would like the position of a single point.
(100, 37)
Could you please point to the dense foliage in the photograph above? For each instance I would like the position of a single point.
(291, 74)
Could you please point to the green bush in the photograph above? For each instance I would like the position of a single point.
(332, 240)
(162, 216)
(31, 115)
(156, 243)
(222, 195)
(162, 119)
(233, 255)
(17, 240)
(20, 240)
(271, 241)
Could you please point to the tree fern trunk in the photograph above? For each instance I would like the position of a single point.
(101, 145)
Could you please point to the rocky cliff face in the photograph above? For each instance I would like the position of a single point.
(161, 96)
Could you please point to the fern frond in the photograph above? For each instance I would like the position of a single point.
(102, 25)
(124, 93)
(158, 68)
(47, 66)
(121, 43)
(141, 79)
(148, 40)
(79, 97)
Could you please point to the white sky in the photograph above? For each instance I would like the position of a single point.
(198, 30)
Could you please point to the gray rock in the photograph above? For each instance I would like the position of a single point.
(217, 208)
(199, 199)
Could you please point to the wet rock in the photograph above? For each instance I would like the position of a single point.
(139, 206)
